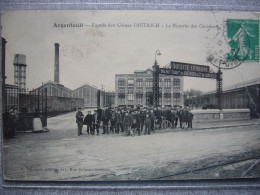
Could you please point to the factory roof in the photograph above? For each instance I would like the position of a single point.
(237, 86)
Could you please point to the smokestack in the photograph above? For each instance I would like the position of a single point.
(57, 64)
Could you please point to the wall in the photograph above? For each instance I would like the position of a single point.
(217, 115)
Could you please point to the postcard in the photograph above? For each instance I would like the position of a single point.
(123, 95)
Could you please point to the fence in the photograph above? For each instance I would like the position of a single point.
(30, 104)
(38, 101)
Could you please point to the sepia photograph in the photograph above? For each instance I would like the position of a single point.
(130, 95)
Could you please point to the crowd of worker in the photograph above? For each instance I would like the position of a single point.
(131, 121)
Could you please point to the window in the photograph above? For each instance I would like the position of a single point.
(121, 82)
(176, 82)
(130, 83)
(139, 82)
(130, 97)
(149, 98)
(149, 83)
(167, 98)
(121, 98)
(139, 98)
(160, 83)
(167, 82)
(176, 97)
(54, 91)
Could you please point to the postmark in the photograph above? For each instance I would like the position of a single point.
(236, 41)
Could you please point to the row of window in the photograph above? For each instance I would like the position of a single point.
(139, 96)
(148, 83)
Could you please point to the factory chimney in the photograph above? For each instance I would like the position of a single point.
(56, 64)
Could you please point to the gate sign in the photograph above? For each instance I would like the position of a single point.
(189, 67)
(191, 70)
(187, 73)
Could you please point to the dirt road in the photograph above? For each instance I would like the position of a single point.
(180, 154)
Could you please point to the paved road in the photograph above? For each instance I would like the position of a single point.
(180, 154)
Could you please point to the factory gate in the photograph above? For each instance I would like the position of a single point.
(28, 106)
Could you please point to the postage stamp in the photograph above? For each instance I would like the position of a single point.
(234, 42)
(243, 36)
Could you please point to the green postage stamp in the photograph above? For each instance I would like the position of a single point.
(243, 36)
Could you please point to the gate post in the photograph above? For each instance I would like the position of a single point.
(219, 88)
(98, 98)
(155, 84)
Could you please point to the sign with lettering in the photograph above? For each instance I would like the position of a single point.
(187, 73)
(189, 67)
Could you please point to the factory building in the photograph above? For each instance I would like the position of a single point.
(137, 89)
(88, 93)
(240, 95)
(54, 89)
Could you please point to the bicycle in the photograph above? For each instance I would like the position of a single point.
(165, 124)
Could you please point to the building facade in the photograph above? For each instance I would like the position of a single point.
(137, 89)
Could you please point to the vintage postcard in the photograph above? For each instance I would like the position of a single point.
(130, 95)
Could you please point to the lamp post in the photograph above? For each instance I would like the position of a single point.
(156, 80)
(157, 53)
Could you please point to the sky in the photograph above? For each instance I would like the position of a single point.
(117, 42)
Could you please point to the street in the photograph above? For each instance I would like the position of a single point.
(60, 154)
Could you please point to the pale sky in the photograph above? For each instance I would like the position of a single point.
(94, 54)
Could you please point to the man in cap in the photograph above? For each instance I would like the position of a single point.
(79, 121)
(88, 120)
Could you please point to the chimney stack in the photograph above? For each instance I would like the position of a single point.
(57, 64)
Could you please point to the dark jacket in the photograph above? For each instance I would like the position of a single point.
(79, 116)
(89, 119)
(99, 114)
(107, 115)
(128, 120)
(137, 117)
(119, 118)
(134, 126)
(172, 116)
(190, 116)
(152, 116)
(142, 117)
(158, 114)
(147, 121)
